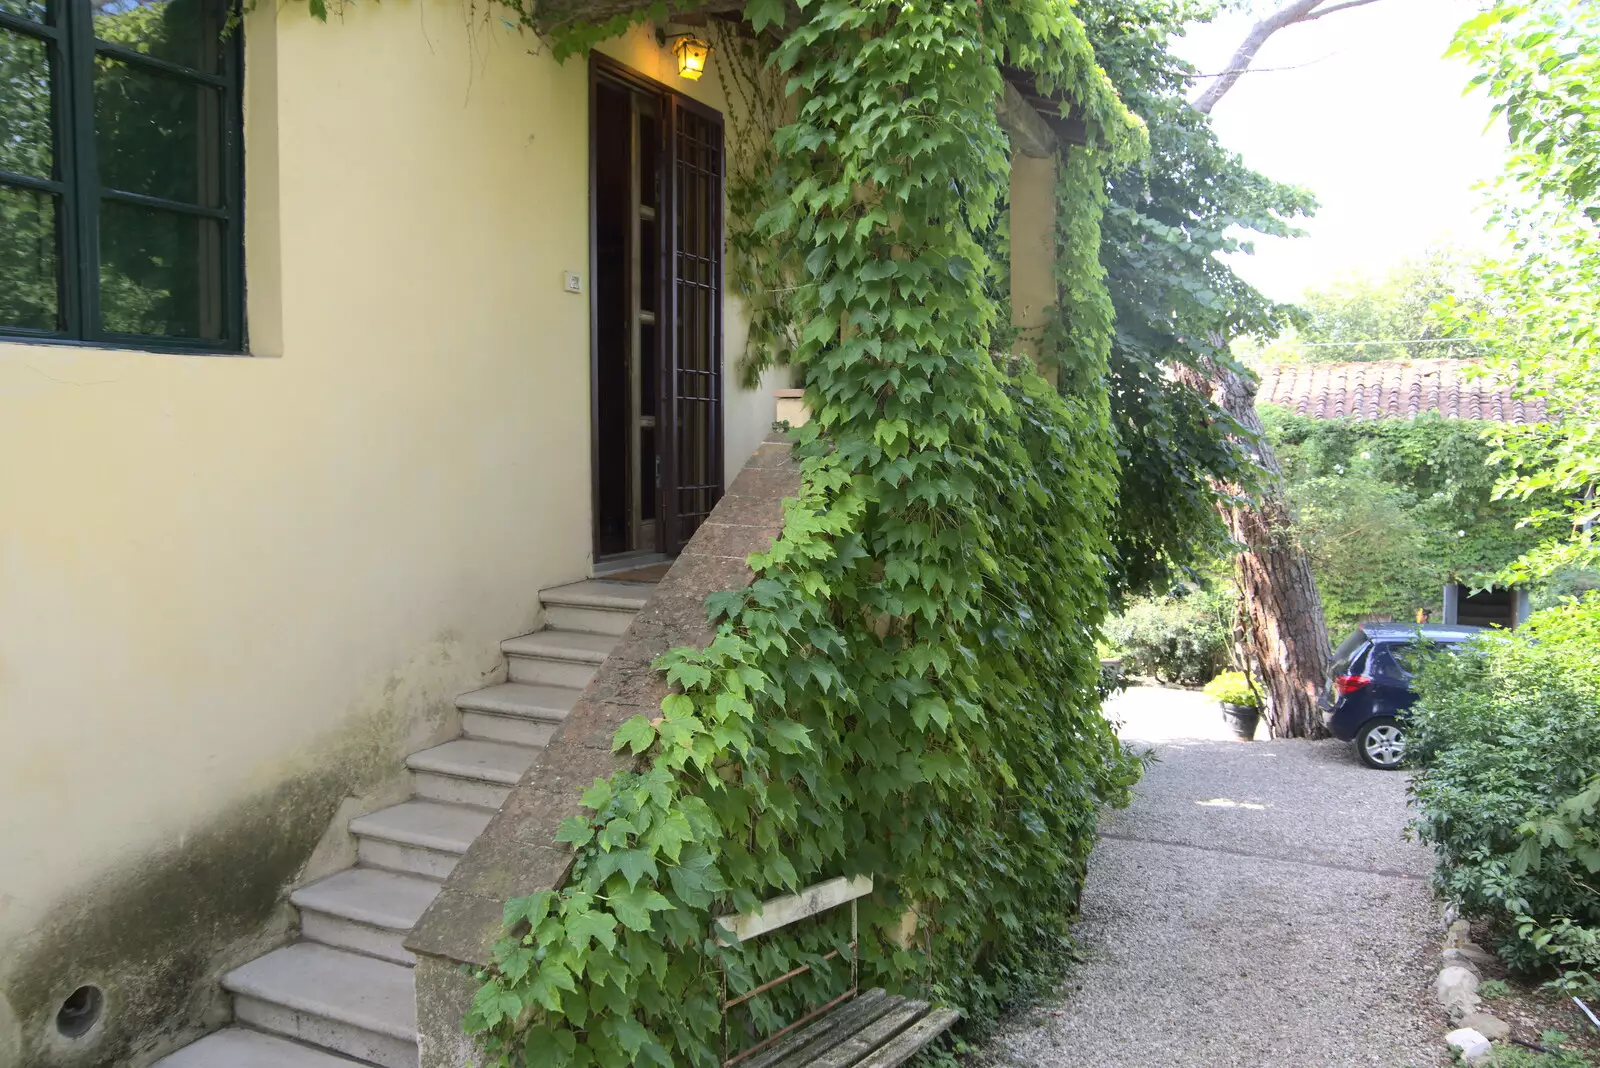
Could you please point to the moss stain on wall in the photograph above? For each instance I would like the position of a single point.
(155, 935)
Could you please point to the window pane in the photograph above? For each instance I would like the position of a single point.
(158, 135)
(25, 143)
(29, 297)
(160, 273)
(189, 32)
(37, 10)
(1405, 658)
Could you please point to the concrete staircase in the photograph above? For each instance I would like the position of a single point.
(342, 995)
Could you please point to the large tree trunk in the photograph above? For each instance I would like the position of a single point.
(1286, 639)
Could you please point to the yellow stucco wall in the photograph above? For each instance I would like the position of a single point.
(219, 576)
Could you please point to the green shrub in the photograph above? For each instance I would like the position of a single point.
(1233, 688)
(1506, 735)
(1182, 637)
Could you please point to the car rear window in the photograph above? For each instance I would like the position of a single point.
(1347, 649)
(1408, 656)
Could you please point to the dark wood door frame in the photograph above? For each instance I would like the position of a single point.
(694, 165)
(673, 104)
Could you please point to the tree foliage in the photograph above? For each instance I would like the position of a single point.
(1415, 310)
(1539, 60)
(909, 688)
(1390, 510)
(1179, 636)
(1171, 216)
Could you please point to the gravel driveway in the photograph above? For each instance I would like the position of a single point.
(1256, 906)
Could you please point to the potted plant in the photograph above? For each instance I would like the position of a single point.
(1241, 704)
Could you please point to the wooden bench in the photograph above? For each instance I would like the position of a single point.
(855, 1030)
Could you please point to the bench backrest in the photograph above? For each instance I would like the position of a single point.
(792, 908)
(781, 912)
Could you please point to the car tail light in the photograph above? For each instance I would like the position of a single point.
(1351, 683)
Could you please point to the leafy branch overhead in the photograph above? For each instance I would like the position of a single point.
(1292, 12)
(1539, 60)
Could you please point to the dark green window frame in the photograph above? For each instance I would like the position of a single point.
(79, 196)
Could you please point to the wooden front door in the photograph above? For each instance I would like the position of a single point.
(656, 225)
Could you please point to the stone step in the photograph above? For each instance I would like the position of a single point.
(421, 837)
(470, 771)
(236, 1047)
(365, 910)
(516, 712)
(595, 605)
(567, 658)
(345, 1002)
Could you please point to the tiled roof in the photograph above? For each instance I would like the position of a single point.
(1394, 389)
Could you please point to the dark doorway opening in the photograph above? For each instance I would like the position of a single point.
(627, 288)
(656, 202)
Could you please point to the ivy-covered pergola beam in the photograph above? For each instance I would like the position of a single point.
(1033, 121)
(1030, 134)
(555, 14)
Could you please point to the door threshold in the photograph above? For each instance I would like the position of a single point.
(632, 567)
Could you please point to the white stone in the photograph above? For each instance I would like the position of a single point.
(469, 771)
(1491, 1027)
(365, 910)
(237, 1048)
(1459, 959)
(566, 658)
(1459, 934)
(344, 1002)
(418, 836)
(1457, 990)
(595, 605)
(1473, 952)
(1470, 1043)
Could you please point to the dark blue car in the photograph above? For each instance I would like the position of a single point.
(1369, 686)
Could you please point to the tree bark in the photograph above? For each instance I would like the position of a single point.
(1286, 638)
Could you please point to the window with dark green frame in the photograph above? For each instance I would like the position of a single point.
(121, 189)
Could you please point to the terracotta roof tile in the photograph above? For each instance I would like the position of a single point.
(1394, 389)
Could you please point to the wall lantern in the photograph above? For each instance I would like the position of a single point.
(692, 53)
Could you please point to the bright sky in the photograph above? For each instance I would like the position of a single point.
(1372, 119)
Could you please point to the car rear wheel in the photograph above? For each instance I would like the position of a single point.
(1381, 743)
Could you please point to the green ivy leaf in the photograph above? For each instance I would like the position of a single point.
(931, 708)
(596, 925)
(763, 13)
(634, 906)
(636, 733)
(492, 1004)
(545, 1046)
(533, 909)
(789, 736)
(628, 1033)
(575, 830)
(597, 796)
(548, 982)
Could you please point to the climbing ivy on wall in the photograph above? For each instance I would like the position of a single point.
(908, 689)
